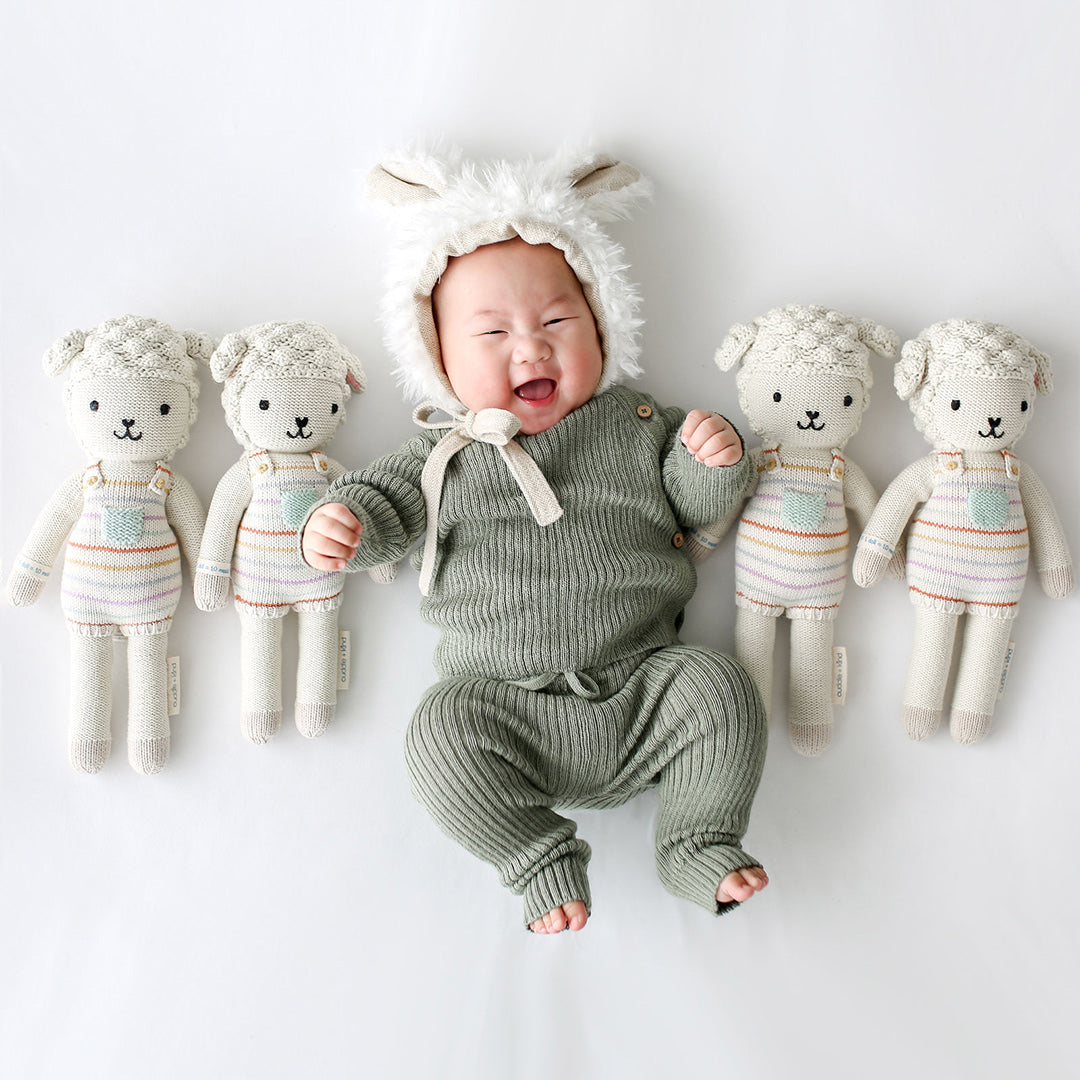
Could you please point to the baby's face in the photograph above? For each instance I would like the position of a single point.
(517, 333)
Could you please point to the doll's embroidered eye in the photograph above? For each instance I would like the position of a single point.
(848, 399)
(333, 408)
(1023, 406)
(776, 396)
(93, 406)
(955, 405)
(264, 404)
(164, 410)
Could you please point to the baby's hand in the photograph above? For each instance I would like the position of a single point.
(711, 439)
(331, 536)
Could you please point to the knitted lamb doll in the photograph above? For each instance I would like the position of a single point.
(286, 384)
(131, 399)
(975, 511)
(803, 385)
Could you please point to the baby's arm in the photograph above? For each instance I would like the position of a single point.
(36, 558)
(185, 514)
(212, 575)
(880, 540)
(1049, 549)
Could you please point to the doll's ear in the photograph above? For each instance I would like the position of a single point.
(910, 369)
(227, 356)
(402, 182)
(200, 347)
(879, 338)
(354, 373)
(63, 351)
(736, 345)
(1044, 377)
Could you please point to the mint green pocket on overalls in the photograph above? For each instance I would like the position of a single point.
(122, 525)
(802, 509)
(988, 508)
(295, 504)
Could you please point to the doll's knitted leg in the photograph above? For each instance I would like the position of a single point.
(316, 671)
(928, 671)
(810, 711)
(260, 676)
(755, 640)
(90, 737)
(148, 711)
(712, 726)
(982, 656)
(474, 762)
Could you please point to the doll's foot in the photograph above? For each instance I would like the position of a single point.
(89, 755)
(812, 738)
(260, 725)
(968, 726)
(148, 756)
(740, 885)
(314, 717)
(920, 722)
(571, 916)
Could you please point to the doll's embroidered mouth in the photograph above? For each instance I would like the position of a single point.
(810, 425)
(993, 433)
(536, 390)
(126, 433)
(301, 423)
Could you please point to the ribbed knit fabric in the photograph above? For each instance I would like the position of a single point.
(607, 580)
(490, 759)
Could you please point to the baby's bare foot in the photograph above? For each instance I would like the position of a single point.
(572, 916)
(740, 885)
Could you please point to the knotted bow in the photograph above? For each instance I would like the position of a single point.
(497, 427)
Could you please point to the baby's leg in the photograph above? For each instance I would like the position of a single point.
(710, 724)
(928, 670)
(810, 711)
(982, 656)
(755, 640)
(148, 711)
(90, 737)
(316, 671)
(474, 761)
(260, 676)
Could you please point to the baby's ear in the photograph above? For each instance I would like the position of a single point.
(736, 345)
(227, 356)
(200, 347)
(401, 182)
(610, 186)
(1044, 377)
(910, 369)
(879, 338)
(63, 351)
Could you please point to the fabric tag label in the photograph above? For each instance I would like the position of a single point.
(1005, 670)
(344, 659)
(839, 675)
(172, 684)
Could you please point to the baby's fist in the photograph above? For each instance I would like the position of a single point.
(331, 536)
(711, 439)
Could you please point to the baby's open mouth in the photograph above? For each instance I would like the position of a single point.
(536, 390)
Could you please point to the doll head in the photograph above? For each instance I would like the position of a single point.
(971, 385)
(447, 208)
(132, 389)
(286, 384)
(805, 374)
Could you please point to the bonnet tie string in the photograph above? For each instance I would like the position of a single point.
(497, 427)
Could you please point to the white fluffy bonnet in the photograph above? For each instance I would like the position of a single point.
(445, 207)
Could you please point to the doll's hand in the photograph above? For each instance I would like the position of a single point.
(1058, 581)
(869, 565)
(897, 568)
(211, 590)
(711, 439)
(698, 545)
(23, 589)
(331, 536)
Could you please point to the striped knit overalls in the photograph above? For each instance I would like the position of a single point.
(791, 546)
(968, 543)
(122, 568)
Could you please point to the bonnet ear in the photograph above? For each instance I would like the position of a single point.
(910, 372)
(401, 183)
(736, 345)
(1044, 377)
(879, 338)
(609, 186)
(200, 347)
(227, 356)
(63, 351)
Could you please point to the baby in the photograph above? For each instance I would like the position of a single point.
(553, 503)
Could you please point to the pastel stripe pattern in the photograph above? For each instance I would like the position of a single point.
(121, 580)
(269, 577)
(792, 542)
(968, 543)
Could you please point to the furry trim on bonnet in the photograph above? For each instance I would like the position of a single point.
(449, 207)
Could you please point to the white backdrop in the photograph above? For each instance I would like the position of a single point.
(289, 911)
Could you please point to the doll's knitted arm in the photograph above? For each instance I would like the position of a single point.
(186, 516)
(880, 540)
(1049, 549)
(212, 574)
(861, 498)
(36, 558)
